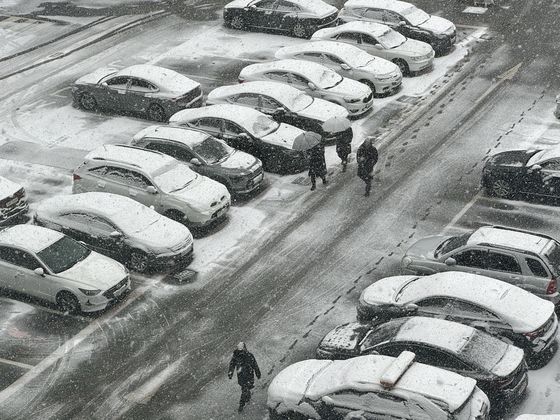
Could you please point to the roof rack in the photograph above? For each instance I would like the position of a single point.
(542, 235)
(397, 369)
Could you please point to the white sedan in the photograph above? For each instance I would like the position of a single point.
(410, 55)
(314, 79)
(50, 266)
(382, 76)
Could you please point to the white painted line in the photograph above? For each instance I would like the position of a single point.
(18, 364)
(146, 391)
(461, 213)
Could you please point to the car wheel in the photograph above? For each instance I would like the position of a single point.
(501, 188)
(369, 84)
(68, 303)
(88, 102)
(156, 113)
(237, 22)
(175, 215)
(403, 66)
(139, 261)
(299, 31)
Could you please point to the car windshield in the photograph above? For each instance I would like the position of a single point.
(301, 101)
(483, 350)
(212, 150)
(358, 58)
(382, 333)
(452, 243)
(391, 39)
(175, 178)
(263, 125)
(415, 16)
(553, 256)
(63, 254)
(328, 79)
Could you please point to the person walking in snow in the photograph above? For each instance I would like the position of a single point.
(317, 165)
(247, 368)
(344, 148)
(367, 158)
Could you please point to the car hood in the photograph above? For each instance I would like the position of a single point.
(163, 236)
(438, 25)
(414, 48)
(345, 337)
(425, 247)
(322, 110)
(513, 158)
(511, 360)
(284, 136)
(96, 271)
(239, 160)
(202, 192)
(350, 88)
(380, 67)
(94, 77)
(383, 291)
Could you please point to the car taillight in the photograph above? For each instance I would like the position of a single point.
(240, 80)
(531, 335)
(76, 177)
(552, 286)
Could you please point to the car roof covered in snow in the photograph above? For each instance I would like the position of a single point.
(370, 28)
(238, 114)
(508, 238)
(308, 69)
(524, 311)
(31, 237)
(313, 6)
(8, 187)
(163, 78)
(339, 49)
(148, 160)
(281, 92)
(187, 136)
(394, 5)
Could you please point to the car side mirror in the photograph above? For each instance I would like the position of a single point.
(345, 66)
(195, 161)
(312, 86)
(39, 271)
(377, 46)
(243, 136)
(536, 167)
(402, 23)
(151, 189)
(411, 307)
(450, 261)
(279, 111)
(116, 234)
(327, 400)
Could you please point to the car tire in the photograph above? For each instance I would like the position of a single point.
(68, 303)
(175, 215)
(237, 22)
(139, 261)
(403, 66)
(369, 84)
(299, 31)
(88, 102)
(501, 188)
(156, 113)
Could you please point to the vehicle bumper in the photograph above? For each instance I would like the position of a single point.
(174, 107)
(442, 46)
(387, 86)
(418, 66)
(248, 184)
(515, 392)
(107, 298)
(215, 217)
(543, 344)
(359, 108)
(174, 260)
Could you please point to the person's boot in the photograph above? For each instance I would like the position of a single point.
(343, 166)
(313, 187)
(325, 182)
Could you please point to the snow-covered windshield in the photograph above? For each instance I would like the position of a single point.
(357, 58)
(138, 219)
(262, 126)
(328, 79)
(300, 102)
(391, 39)
(452, 243)
(175, 178)
(482, 350)
(63, 254)
(382, 333)
(415, 16)
(212, 150)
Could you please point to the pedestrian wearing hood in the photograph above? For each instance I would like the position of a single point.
(367, 158)
(317, 164)
(247, 368)
(344, 147)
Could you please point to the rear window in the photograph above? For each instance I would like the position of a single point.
(383, 333)
(553, 256)
(482, 350)
(452, 244)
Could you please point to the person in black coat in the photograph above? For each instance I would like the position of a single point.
(317, 164)
(367, 158)
(344, 147)
(247, 368)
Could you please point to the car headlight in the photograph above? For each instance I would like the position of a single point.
(351, 100)
(406, 261)
(90, 292)
(418, 57)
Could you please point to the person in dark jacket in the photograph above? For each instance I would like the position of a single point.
(344, 147)
(367, 158)
(247, 368)
(317, 164)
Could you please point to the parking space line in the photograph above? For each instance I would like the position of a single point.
(18, 364)
(461, 213)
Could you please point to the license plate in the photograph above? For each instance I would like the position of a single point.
(119, 292)
(222, 211)
(258, 179)
(11, 202)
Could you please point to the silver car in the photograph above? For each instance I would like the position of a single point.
(525, 259)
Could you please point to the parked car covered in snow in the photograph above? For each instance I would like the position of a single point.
(499, 368)
(405, 18)
(120, 228)
(52, 267)
(314, 79)
(153, 91)
(374, 387)
(491, 305)
(248, 130)
(240, 172)
(382, 76)
(153, 179)
(299, 18)
(412, 56)
(13, 201)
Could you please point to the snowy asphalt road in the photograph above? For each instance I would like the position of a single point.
(297, 261)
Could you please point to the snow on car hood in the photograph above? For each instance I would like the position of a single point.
(96, 271)
(95, 77)
(350, 88)
(509, 362)
(239, 160)
(284, 136)
(8, 188)
(414, 48)
(383, 291)
(381, 67)
(438, 25)
(162, 236)
(201, 193)
(322, 110)
(424, 248)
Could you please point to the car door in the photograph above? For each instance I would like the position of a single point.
(373, 46)
(335, 63)
(302, 83)
(277, 76)
(504, 266)
(273, 108)
(549, 175)
(180, 152)
(393, 20)
(315, 57)
(434, 307)
(17, 268)
(241, 139)
(471, 260)
(100, 233)
(262, 14)
(114, 93)
(287, 14)
(469, 313)
(140, 94)
(75, 225)
(373, 14)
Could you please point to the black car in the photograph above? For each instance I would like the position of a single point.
(298, 17)
(531, 172)
(405, 18)
(499, 368)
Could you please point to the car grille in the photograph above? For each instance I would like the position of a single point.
(368, 98)
(181, 245)
(109, 293)
(546, 327)
(220, 212)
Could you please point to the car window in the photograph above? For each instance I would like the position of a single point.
(296, 79)
(551, 165)
(536, 267)
(350, 37)
(140, 85)
(118, 82)
(19, 258)
(436, 304)
(266, 4)
(127, 177)
(100, 170)
(373, 14)
(368, 39)
(278, 76)
(310, 56)
(333, 58)
(468, 309)
(284, 6)
(452, 243)
(502, 262)
(232, 129)
(391, 17)
(213, 125)
(88, 222)
(437, 357)
(247, 99)
(173, 150)
(475, 258)
(101, 225)
(269, 103)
